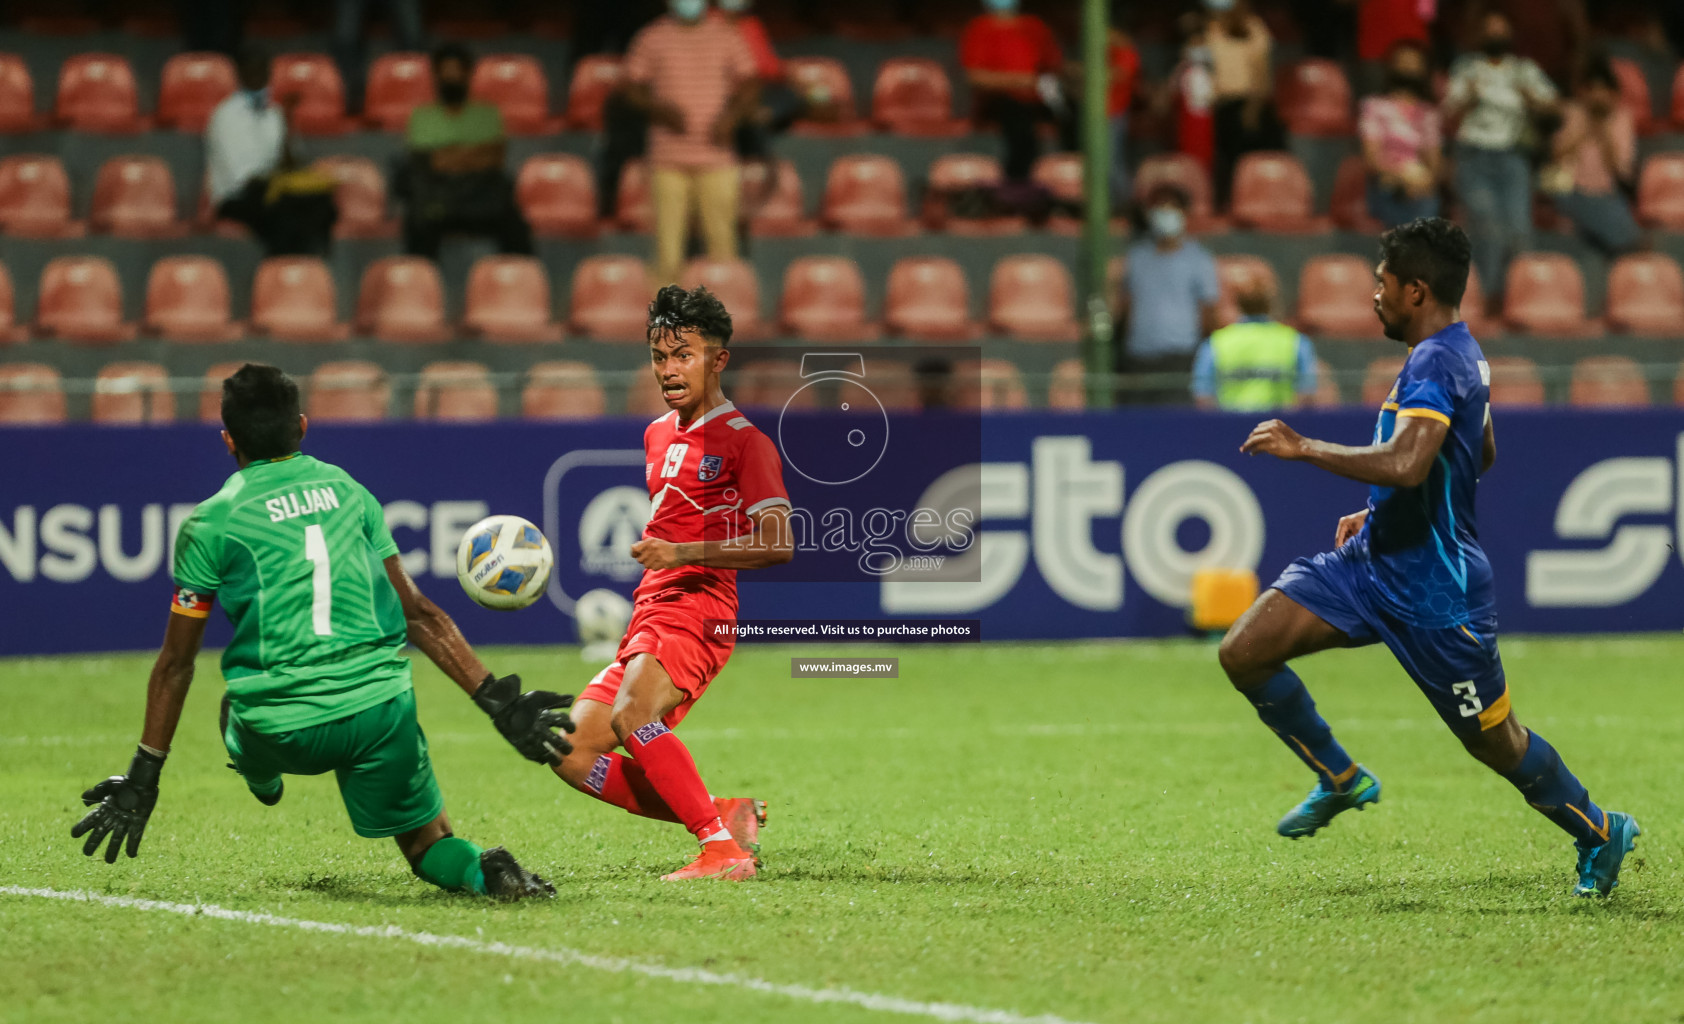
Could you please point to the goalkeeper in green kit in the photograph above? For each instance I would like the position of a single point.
(301, 559)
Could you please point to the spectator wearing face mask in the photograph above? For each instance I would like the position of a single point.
(1015, 68)
(1595, 156)
(1168, 302)
(1400, 141)
(1255, 364)
(455, 182)
(1244, 116)
(1383, 26)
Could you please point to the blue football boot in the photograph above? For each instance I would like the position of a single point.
(1599, 866)
(1322, 804)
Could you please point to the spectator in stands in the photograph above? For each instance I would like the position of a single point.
(1191, 92)
(1256, 363)
(350, 50)
(1595, 153)
(1245, 119)
(1400, 141)
(1382, 26)
(1015, 70)
(779, 104)
(453, 181)
(695, 79)
(1492, 98)
(1125, 71)
(1168, 301)
(253, 176)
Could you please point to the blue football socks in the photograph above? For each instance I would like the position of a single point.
(1557, 794)
(1286, 706)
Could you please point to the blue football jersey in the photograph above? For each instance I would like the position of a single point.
(1423, 542)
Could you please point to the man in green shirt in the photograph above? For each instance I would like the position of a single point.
(300, 557)
(454, 182)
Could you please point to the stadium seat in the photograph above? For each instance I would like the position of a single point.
(1473, 309)
(509, 300)
(402, 300)
(360, 196)
(456, 392)
(293, 299)
(132, 393)
(1515, 382)
(96, 93)
(35, 198)
(609, 298)
(1377, 382)
(928, 300)
(824, 298)
(1349, 205)
(1606, 382)
(1327, 394)
(1068, 389)
(515, 83)
(989, 384)
(1660, 191)
(824, 82)
(954, 173)
(1546, 295)
(865, 194)
(397, 84)
(1634, 93)
(1272, 192)
(735, 283)
(1233, 272)
(31, 394)
(17, 96)
(313, 78)
(1031, 297)
(187, 300)
(191, 87)
(775, 208)
(1336, 297)
(134, 197)
(595, 76)
(634, 206)
(913, 96)
(1186, 173)
(643, 396)
(1314, 98)
(557, 192)
(562, 390)
(81, 300)
(772, 384)
(1061, 174)
(210, 391)
(10, 329)
(1646, 295)
(347, 391)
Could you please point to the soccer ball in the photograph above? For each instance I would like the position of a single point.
(601, 617)
(503, 562)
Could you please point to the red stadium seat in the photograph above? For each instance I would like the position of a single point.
(557, 192)
(1327, 394)
(1068, 389)
(96, 93)
(210, 390)
(1546, 295)
(1032, 297)
(894, 383)
(1473, 309)
(913, 96)
(1634, 93)
(989, 384)
(17, 96)
(772, 385)
(35, 198)
(187, 300)
(402, 300)
(515, 83)
(953, 173)
(1606, 382)
(31, 394)
(775, 208)
(643, 396)
(313, 78)
(634, 205)
(824, 83)
(1233, 272)
(1646, 295)
(360, 196)
(735, 283)
(1062, 175)
(397, 84)
(1350, 197)
(610, 299)
(10, 329)
(1660, 191)
(1377, 383)
(1515, 382)
(1186, 173)
(1272, 192)
(134, 197)
(347, 391)
(928, 300)
(192, 85)
(293, 299)
(81, 300)
(1314, 98)
(456, 392)
(562, 390)
(509, 300)
(824, 298)
(1336, 297)
(595, 76)
(132, 393)
(865, 194)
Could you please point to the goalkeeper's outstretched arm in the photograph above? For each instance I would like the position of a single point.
(434, 633)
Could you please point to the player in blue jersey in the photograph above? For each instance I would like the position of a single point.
(1408, 571)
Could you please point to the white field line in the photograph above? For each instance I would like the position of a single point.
(564, 957)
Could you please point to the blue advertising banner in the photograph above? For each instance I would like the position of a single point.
(1064, 526)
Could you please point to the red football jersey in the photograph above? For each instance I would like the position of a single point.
(704, 482)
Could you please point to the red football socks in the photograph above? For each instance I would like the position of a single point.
(618, 780)
(670, 770)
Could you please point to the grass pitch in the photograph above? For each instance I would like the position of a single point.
(1080, 830)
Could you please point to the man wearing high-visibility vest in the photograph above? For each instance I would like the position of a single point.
(1256, 363)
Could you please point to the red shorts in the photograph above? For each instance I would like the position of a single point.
(669, 627)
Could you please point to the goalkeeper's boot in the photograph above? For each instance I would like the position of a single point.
(1599, 866)
(505, 879)
(722, 859)
(744, 818)
(1323, 803)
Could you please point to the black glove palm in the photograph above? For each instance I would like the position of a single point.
(121, 806)
(529, 721)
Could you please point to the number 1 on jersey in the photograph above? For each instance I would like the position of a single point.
(321, 583)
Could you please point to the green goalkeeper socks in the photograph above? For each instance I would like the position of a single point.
(453, 864)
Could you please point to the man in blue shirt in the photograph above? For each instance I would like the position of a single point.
(1168, 303)
(1408, 571)
(1255, 363)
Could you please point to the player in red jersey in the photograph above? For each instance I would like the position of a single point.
(719, 505)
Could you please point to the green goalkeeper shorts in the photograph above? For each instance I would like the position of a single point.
(379, 756)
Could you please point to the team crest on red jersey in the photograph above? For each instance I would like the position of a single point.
(709, 467)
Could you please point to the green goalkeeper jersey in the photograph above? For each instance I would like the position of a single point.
(293, 547)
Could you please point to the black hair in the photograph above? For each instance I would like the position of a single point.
(260, 411)
(698, 309)
(254, 59)
(1430, 250)
(453, 51)
(1599, 70)
(1169, 190)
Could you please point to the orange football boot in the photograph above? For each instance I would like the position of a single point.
(723, 859)
(745, 818)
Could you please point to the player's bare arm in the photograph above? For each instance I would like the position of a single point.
(1488, 453)
(1403, 461)
(770, 544)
